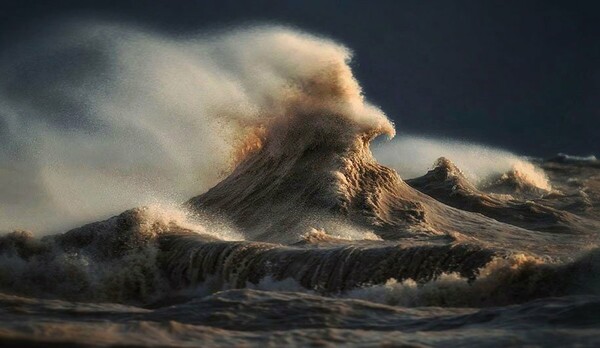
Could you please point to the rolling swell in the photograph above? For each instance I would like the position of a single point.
(142, 257)
(456, 275)
(189, 261)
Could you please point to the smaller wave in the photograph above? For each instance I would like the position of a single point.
(504, 280)
(447, 184)
(412, 156)
(561, 157)
(524, 179)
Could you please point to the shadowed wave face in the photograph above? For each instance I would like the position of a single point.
(268, 131)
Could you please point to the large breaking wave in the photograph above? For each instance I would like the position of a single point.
(267, 130)
(98, 118)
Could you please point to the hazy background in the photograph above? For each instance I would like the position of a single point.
(521, 75)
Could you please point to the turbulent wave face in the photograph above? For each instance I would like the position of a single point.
(98, 118)
(290, 215)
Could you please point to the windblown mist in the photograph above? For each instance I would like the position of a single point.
(249, 209)
(100, 117)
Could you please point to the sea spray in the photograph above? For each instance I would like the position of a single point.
(101, 117)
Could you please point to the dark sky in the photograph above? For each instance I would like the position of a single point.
(522, 75)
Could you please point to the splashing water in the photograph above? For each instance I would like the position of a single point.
(412, 156)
